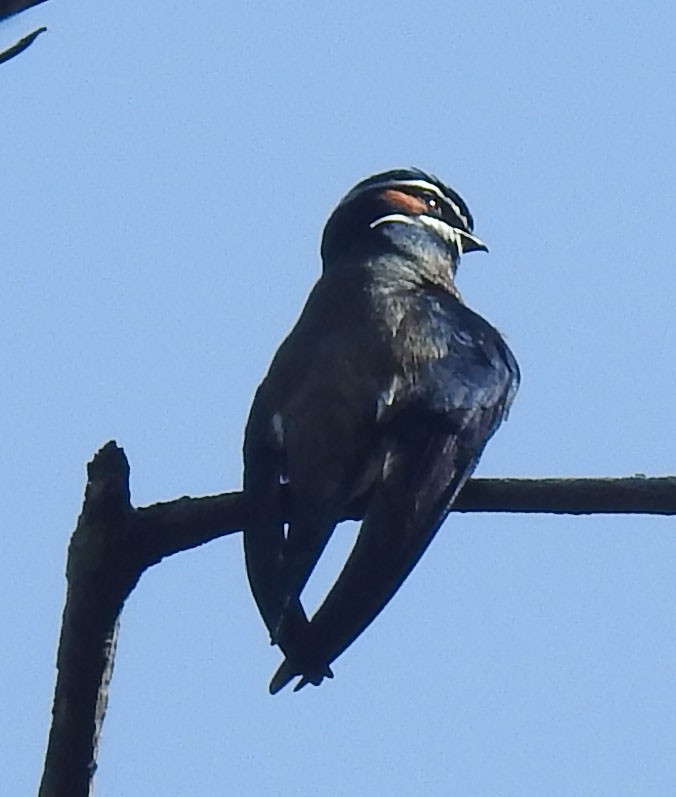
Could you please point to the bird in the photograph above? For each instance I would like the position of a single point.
(378, 405)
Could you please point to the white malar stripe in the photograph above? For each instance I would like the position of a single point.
(400, 217)
(453, 235)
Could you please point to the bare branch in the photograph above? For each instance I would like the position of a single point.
(101, 571)
(634, 495)
(113, 544)
(167, 528)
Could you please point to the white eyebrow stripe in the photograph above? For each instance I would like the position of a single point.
(423, 185)
(456, 210)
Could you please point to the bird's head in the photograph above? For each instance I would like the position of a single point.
(389, 208)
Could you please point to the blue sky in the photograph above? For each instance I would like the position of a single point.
(168, 169)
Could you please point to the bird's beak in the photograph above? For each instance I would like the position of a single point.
(470, 243)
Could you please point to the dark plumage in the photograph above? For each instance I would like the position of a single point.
(382, 397)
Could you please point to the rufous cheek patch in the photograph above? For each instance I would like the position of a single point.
(403, 201)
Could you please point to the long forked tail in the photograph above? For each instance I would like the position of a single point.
(425, 469)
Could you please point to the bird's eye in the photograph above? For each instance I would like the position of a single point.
(433, 203)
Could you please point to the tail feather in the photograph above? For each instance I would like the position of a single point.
(425, 469)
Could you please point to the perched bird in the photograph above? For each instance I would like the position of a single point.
(379, 403)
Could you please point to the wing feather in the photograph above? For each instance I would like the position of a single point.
(436, 418)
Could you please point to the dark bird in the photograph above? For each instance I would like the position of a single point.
(378, 404)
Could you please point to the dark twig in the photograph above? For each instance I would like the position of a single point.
(113, 544)
(7, 9)
(20, 46)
